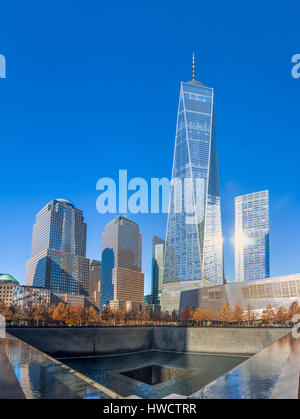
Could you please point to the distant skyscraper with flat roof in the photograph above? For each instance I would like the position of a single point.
(95, 282)
(58, 260)
(194, 244)
(158, 248)
(252, 254)
(121, 276)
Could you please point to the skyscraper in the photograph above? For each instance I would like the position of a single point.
(95, 282)
(252, 258)
(158, 248)
(194, 245)
(121, 277)
(58, 260)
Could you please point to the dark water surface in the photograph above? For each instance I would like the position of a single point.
(201, 369)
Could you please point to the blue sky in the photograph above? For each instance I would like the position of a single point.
(92, 87)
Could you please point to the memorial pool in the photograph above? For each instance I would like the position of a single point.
(155, 374)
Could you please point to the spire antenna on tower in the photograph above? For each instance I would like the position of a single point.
(193, 69)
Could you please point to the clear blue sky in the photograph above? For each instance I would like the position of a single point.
(92, 87)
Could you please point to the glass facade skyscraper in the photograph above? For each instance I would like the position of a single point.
(252, 257)
(194, 245)
(158, 248)
(58, 260)
(121, 276)
(95, 282)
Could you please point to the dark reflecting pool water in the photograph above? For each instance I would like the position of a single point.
(169, 372)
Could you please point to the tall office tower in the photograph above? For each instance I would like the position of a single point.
(95, 282)
(252, 258)
(158, 248)
(58, 260)
(194, 244)
(121, 277)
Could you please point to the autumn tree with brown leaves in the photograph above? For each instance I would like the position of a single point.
(238, 314)
(91, 315)
(198, 315)
(202, 315)
(145, 316)
(40, 313)
(60, 313)
(50, 312)
(293, 309)
(133, 315)
(119, 316)
(107, 315)
(282, 315)
(226, 314)
(74, 315)
(268, 314)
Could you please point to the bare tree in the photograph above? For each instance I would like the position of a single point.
(187, 314)
(174, 316)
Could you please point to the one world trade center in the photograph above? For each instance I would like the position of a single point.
(194, 245)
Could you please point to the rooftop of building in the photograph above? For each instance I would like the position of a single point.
(8, 278)
(253, 195)
(95, 262)
(64, 201)
(157, 240)
(121, 217)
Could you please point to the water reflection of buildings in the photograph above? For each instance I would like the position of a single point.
(272, 373)
(42, 377)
